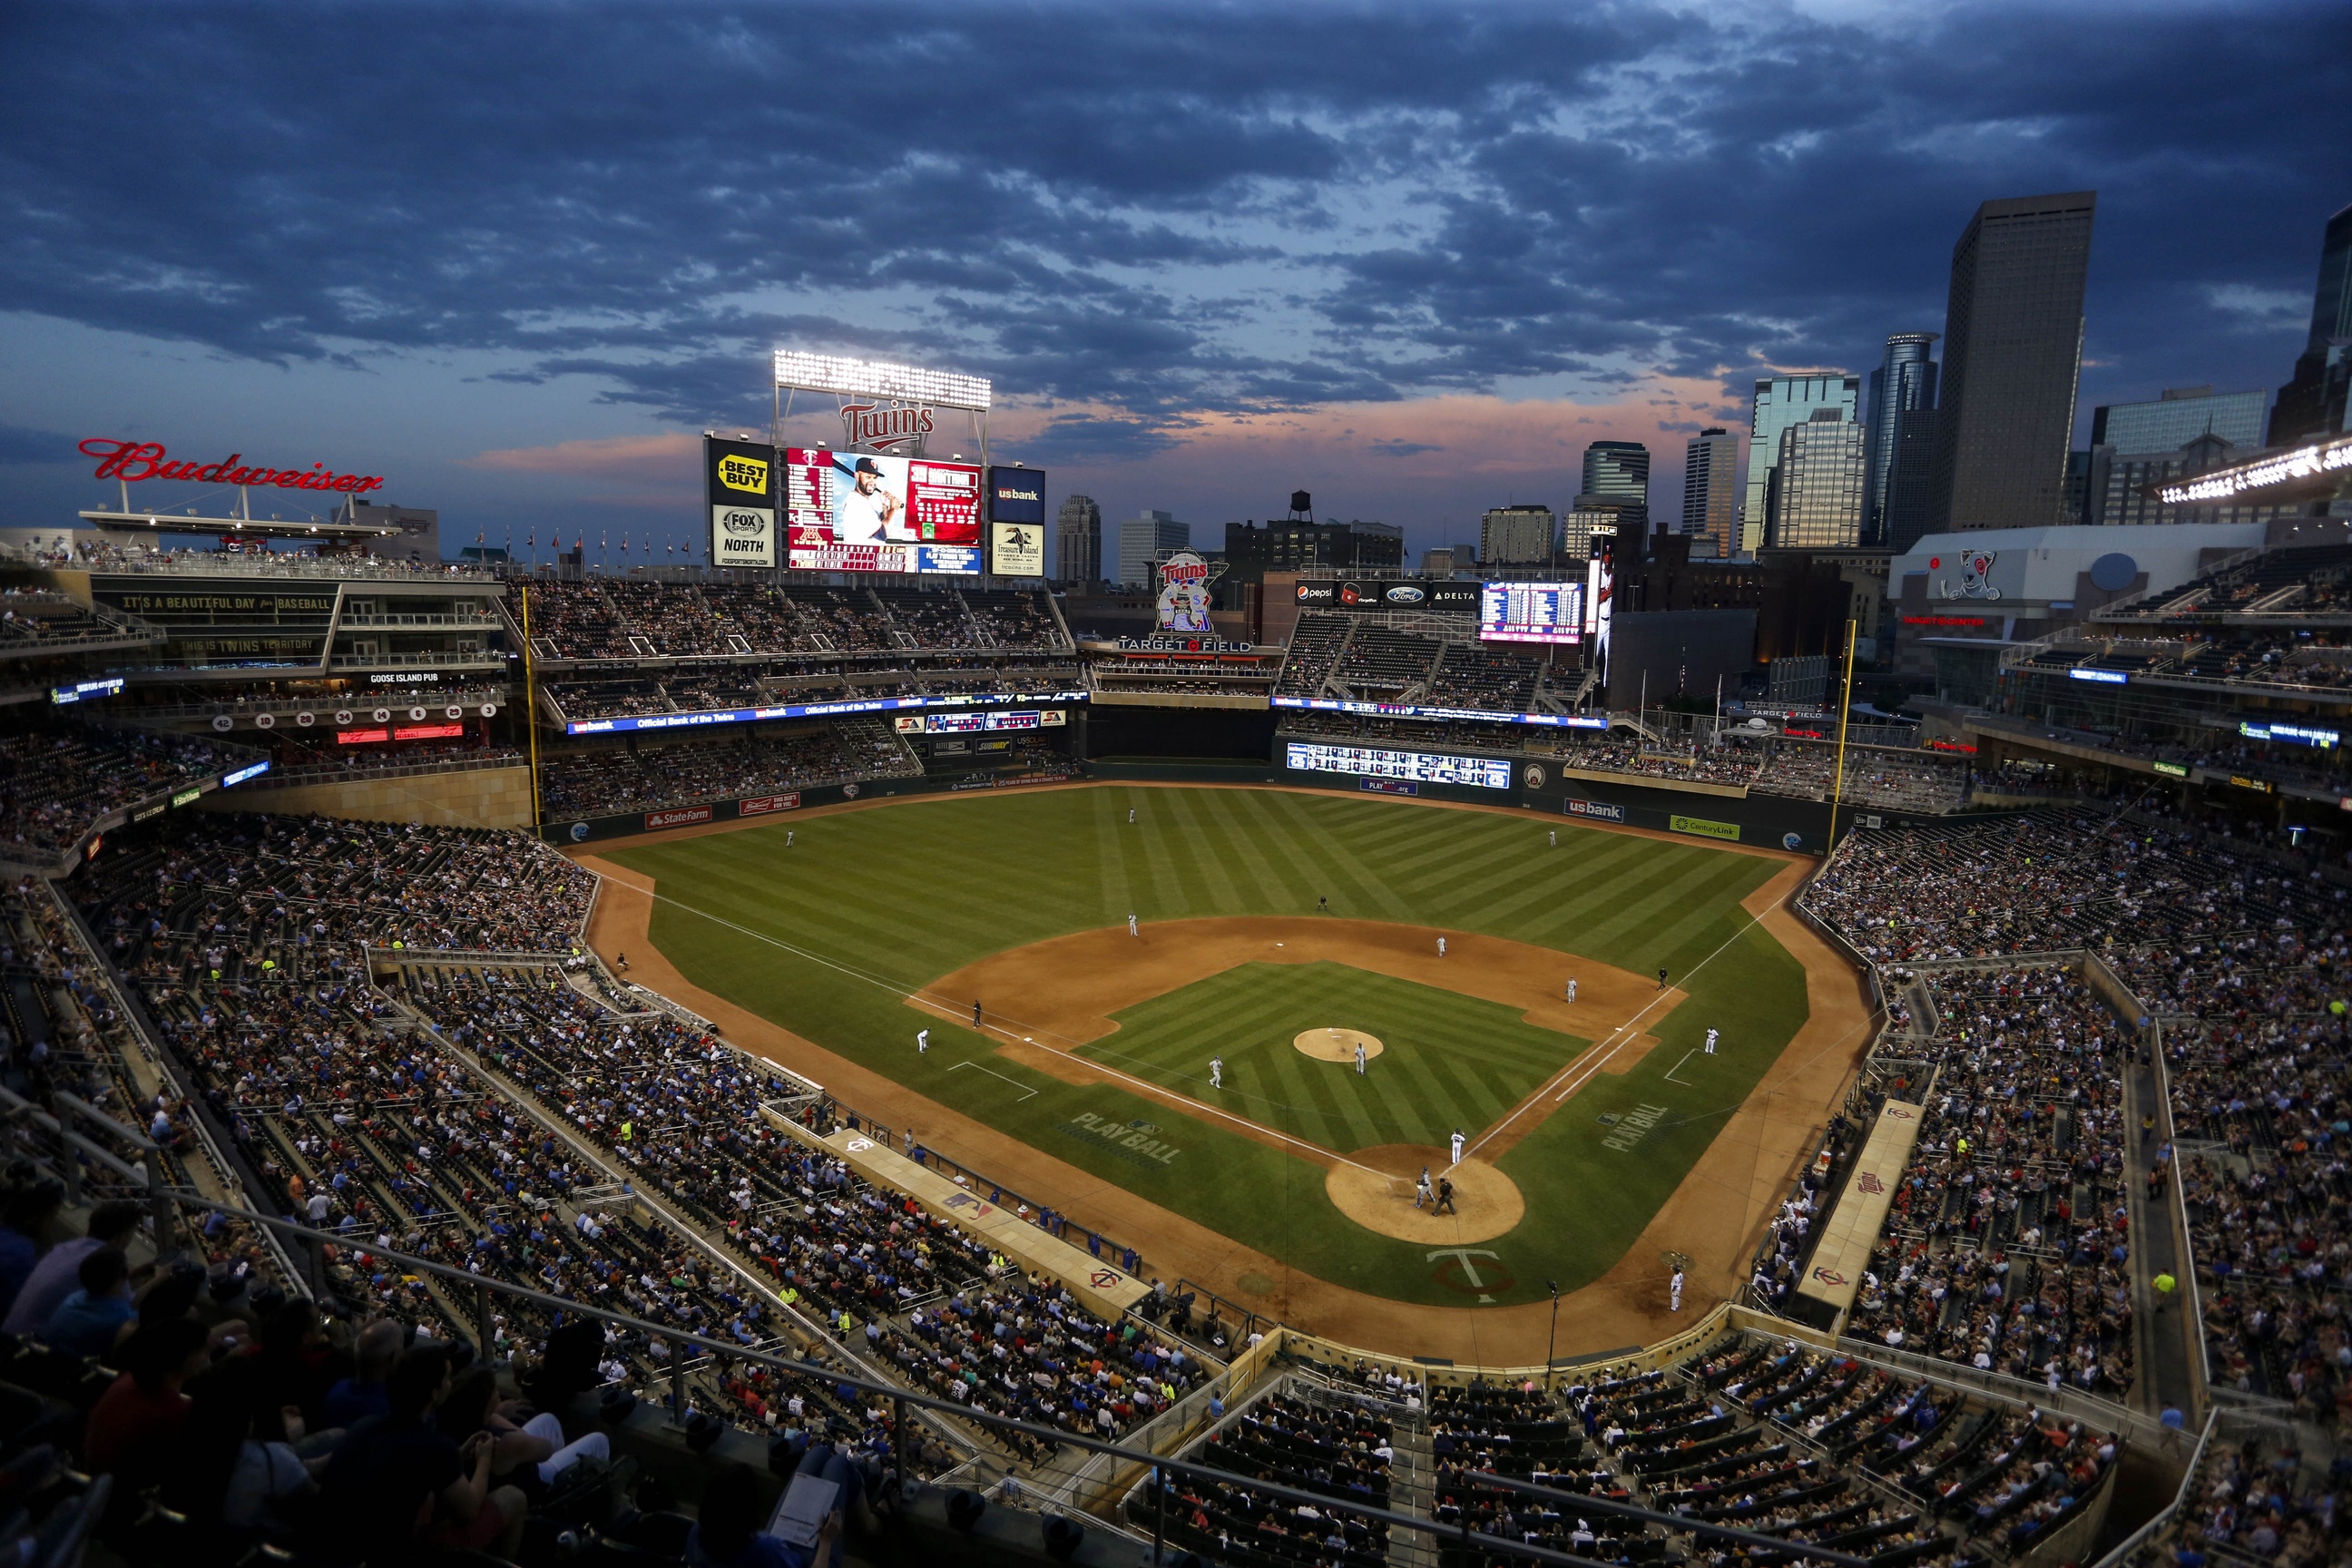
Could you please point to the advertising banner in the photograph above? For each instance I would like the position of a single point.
(678, 816)
(738, 482)
(1376, 594)
(866, 512)
(1016, 495)
(762, 805)
(1016, 549)
(1184, 580)
(1703, 827)
(1598, 810)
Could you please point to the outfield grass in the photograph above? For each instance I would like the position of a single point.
(828, 937)
(1448, 1060)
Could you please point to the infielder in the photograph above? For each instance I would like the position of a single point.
(1711, 1035)
(1359, 1059)
(922, 1041)
(1571, 987)
(1674, 1292)
(1458, 1142)
(1216, 1072)
(1441, 947)
(1422, 1192)
(1131, 926)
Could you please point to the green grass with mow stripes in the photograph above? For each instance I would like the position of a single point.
(1447, 1061)
(827, 938)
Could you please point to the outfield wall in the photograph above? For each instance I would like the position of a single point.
(764, 807)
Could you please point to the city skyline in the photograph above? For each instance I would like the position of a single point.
(1418, 293)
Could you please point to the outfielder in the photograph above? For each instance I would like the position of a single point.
(1130, 816)
(787, 837)
(1216, 1072)
(1554, 836)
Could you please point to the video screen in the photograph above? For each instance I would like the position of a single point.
(1531, 612)
(859, 511)
(1415, 767)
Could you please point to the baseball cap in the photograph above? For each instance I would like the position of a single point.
(868, 466)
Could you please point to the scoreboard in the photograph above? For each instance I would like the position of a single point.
(1408, 767)
(1531, 612)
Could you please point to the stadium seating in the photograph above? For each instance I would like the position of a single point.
(61, 780)
(687, 773)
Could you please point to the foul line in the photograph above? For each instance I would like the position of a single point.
(1582, 1070)
(1027, 1091)
(1678, 1067)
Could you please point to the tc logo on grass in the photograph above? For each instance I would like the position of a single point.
(1460, 1272)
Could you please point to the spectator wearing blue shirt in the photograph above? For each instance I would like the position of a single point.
(23, 1225)
(55, 1277)
(90, 1320)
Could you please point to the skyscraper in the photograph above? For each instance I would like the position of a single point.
(2315, 404)
(1711, 490)
(1078, 541)
(1904, 382)
(2013, 358)
(2178, 417)
(1617, 469)
(1517, 535)
(1142, 540)
(1818, 491)
(1783, 401)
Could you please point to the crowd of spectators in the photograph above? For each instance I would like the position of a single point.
(686, 772)
(2008, 1247)
(39, 619)
(62, 778)
(1914, 781)
(1339, 1448)
(2050, 880)
(636, 617)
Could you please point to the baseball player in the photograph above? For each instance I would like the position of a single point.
(1359, 1059)
(975, 1011)
(1458, 1142)
(789, 837)
(1554, 836)
(1423, 1191)
(1441, 947)
(1445, 1197)
(1130, 924)
(1216, 1072)
(1661, 980)
(1130, 816)
(922, 1041)
(1324, 904)
(1711, 1035)
(1571, 988)
(1674, 1292)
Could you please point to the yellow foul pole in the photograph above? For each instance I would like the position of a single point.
(1845, 716)
(531, 707)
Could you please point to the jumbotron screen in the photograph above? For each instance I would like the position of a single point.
(861, 511)
(1531, 612)
(1411, 767)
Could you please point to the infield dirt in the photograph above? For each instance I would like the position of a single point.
(1714, 1215)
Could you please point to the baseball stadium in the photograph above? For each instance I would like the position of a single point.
(1257, 1065)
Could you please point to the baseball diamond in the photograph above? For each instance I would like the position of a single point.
(1266, 916)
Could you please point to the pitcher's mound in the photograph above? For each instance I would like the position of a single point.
(1336, 1045)
(1381, 1198)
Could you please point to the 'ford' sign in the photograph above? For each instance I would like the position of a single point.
(1405, 594)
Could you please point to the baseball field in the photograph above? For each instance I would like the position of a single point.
(1273, 930)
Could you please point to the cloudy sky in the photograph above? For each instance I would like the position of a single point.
(516, 257)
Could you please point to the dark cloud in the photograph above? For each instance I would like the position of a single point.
(19, 444)
(1125, 209)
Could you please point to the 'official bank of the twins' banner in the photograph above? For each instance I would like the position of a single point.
(861, 511)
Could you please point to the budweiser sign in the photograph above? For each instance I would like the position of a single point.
(134, 460)
(886, 427)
